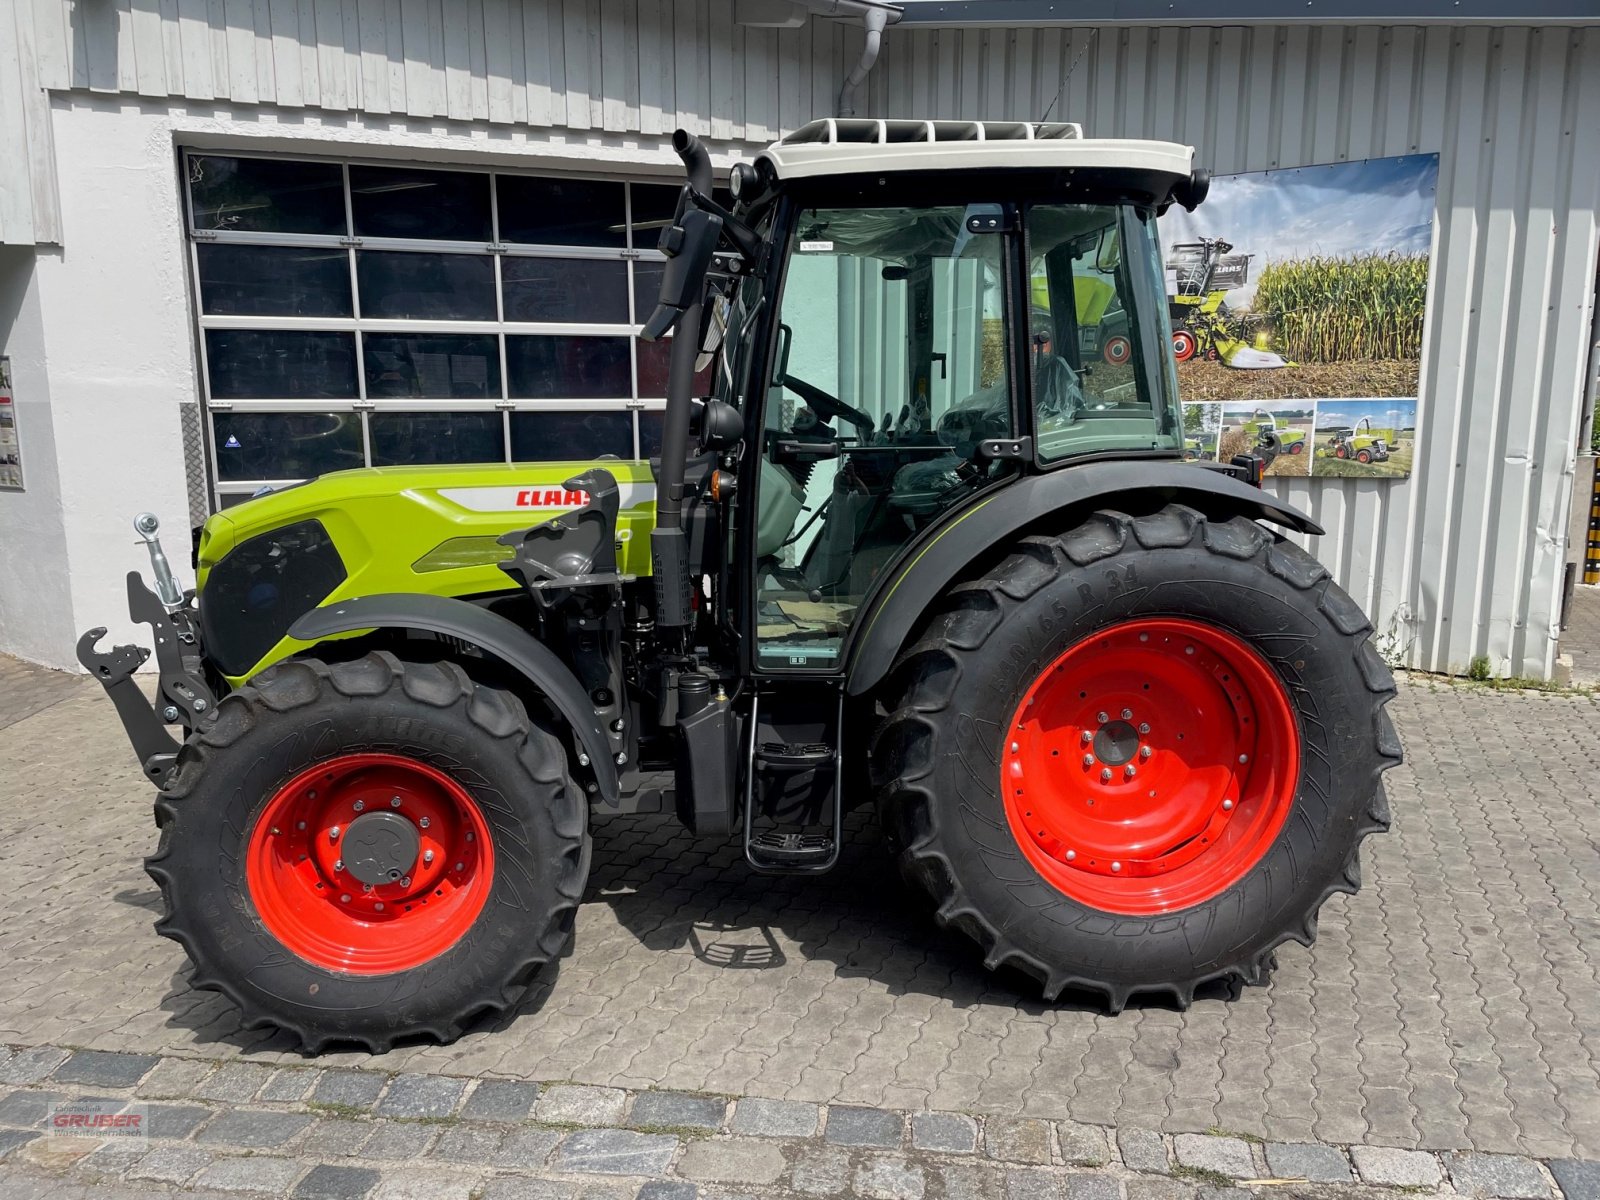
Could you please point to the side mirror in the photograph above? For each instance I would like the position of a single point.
(688, 244)
(715, 328)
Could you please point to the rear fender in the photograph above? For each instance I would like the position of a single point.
(1029, 504)
(491, 633)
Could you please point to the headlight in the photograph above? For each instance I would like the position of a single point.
(256, 592)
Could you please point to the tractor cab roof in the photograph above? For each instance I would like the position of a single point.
(855, 146)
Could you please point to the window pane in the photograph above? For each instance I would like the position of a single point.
(654, 358)
(569, 368)
(412, 203)
(542, 437)
(650, 426)
(286, 445)
(263, 364)
(274, 281)
(266, 195)
(426, 287)
(435, 366)
(646, 288)
(653, 207)
(399, 439)
(561, 212)
(575, 290)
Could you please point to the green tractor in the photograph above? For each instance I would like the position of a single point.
(1124, 734)
(1363, 444)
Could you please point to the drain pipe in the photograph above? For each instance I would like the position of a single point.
(874, 19)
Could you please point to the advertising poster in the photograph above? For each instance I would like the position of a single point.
(1297, 300)
(10, 448)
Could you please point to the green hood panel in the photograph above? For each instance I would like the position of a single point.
(429, 529)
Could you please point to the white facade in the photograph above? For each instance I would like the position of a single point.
(96, 312)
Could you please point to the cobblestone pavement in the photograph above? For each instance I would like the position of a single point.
(1454, 1004)
(327, 1134)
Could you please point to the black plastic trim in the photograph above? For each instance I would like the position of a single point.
(1007, 511)
(491, 633)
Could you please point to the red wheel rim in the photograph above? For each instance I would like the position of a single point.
(1363, 456)
(1183, 345)
(1150, 766)
(313, 902)
(1117, 350)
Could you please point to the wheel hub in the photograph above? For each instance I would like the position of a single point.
(381, 847)
(1116, 743)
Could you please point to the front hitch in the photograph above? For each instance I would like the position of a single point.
(182, 697)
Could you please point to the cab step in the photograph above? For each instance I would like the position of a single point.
(793, 809)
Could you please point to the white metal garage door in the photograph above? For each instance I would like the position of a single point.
(355, 313)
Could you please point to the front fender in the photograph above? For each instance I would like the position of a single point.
(493, 634)
(1016, 508)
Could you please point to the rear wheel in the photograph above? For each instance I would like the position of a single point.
(1183, 345)
(370, 850)
(1117, 350)
(1111, 759)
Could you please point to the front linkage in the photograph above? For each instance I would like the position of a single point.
(182, 696)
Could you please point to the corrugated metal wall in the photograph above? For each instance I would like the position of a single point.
(1463, 559)
(29, 212)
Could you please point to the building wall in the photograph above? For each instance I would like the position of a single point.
(35, 596)
(1465, 557)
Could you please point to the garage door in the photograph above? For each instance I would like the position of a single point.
(365, 314)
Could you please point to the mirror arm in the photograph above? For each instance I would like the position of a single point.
(744, 239)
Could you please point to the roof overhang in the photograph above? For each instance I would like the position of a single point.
(1247, 12)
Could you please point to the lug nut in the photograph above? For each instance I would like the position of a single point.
(366, 887)
(338, 864)
(394, 802)
(333, 834)
(1105, 774)
(1127, 714)
(1088, 760)
(359, 805)
(1086, 737)
(1130, 770)
(1144, 751)
(424, 822)
(1102, 717)
(406, 881)
(1015, 748)
(1227, 806)
(1144, 726)
(427, 857)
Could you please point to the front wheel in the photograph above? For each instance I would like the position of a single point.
(1138, 757)
(370, 850)
(1183, 345)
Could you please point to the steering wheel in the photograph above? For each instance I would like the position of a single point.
(829, 405)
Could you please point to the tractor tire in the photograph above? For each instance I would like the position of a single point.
(1363, 456)
(1297, 447)
(1129, 657)
(406, 769)
(1184, 345)
(1117, 350)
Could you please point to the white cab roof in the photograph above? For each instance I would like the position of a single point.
(846, 146)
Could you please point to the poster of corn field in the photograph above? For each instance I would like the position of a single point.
(1297, 300)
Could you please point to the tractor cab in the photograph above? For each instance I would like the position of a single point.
(919, 324)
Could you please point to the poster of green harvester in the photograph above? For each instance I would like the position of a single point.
(1297, 300)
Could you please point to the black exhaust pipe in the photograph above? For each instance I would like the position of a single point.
(669, 551)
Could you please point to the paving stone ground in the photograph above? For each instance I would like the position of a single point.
(1454, 1005)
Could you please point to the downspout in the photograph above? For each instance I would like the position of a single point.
(874, 20)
